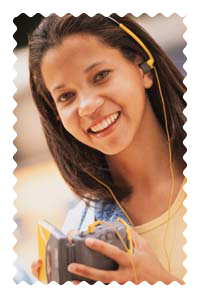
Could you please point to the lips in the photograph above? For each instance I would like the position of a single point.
(104, 124)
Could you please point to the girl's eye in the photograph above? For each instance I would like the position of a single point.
(66, 96)
(101, 75)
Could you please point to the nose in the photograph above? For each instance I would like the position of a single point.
(88, 105)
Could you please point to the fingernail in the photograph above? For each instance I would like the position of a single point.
(89, 241)
(75, 282)
(71, 267)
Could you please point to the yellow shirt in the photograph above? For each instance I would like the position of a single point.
(154, 232)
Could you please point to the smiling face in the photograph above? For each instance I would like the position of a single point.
(99, 95)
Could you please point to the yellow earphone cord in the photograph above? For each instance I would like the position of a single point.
(150, 62)
(129, 238)
(171, 170)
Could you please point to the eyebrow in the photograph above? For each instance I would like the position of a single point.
(85, 71)
(93, 66)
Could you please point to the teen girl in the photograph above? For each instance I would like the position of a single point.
(111, 106)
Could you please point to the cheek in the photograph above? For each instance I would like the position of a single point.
(129, 86)
(137, 109)
(134, 99)
(69, 120)
(71, 123)
(134, 104)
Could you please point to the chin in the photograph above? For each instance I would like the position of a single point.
(113, 150)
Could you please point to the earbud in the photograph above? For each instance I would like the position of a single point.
(149, 64)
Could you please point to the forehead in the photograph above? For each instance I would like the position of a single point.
(84, 44)
(67, 63)
(78, 50)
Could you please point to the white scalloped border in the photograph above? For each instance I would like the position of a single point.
(106, 10)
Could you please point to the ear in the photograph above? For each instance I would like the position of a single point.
(148, 76)
(147, 79)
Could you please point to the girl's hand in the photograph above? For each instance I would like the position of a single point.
(142, 265)
(36, 267)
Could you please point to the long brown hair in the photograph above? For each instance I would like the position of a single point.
(72, 157)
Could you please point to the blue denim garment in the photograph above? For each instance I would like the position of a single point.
(105, 211)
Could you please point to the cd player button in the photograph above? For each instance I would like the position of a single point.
(109, 236)
(102, 237)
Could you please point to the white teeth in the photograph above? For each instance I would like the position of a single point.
(113, 118)
(105, 123)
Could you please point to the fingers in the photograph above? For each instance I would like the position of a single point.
(108, 250)
(92, 273)
(36, 267)
(75, 282)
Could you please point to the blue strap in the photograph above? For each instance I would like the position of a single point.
(83, 217)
